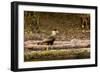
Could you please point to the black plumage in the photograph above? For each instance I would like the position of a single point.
(50, 40)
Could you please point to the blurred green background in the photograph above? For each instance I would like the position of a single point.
(38, 25)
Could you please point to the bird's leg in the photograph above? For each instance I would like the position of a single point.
(47, 47)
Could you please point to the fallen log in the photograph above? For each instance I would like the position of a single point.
(57, 47)
(57, 42)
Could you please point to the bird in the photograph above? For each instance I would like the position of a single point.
(50, 40)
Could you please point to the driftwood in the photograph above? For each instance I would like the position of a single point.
(32, 45)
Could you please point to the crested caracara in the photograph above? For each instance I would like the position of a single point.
(50, 40)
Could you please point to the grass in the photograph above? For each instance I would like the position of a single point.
(57, 54)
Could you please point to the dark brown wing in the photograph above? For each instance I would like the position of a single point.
(49, 40)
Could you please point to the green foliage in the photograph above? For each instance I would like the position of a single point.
(31, 22)
(55, 55)
(84, 54)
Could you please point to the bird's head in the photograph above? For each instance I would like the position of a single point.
(55, 32)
